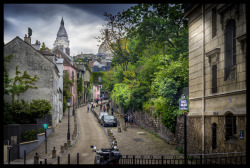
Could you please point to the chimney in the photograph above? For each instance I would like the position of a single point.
(27, 39)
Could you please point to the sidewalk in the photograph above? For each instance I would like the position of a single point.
(137, 141)
(56, 139)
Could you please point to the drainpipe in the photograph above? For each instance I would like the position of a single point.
(203, 78)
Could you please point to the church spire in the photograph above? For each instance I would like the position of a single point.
(62, 32)
(62, 22)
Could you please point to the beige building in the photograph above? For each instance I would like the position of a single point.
(217, 78)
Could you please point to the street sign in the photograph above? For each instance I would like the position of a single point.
(184, 104)
(45, 126)
(241, 134)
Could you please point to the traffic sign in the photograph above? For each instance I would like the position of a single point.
(45, 126)
(184, 104)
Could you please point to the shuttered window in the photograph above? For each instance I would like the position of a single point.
(230, 50)
(214, 22)
(214, 79)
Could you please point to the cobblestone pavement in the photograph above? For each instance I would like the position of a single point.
(137, 141)
(56, 139)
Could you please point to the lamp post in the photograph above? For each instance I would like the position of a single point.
(68, 134)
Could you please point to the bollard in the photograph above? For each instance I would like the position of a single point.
(45, 161)
(24, 157)
(62, 149)
(58, 160)
(119, 129)
(36, 159)
(68, 158)
(66, 146)
(41, 162)
(69, 143)
(77, 161)
(54, 153)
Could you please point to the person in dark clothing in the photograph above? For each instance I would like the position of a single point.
(104, 109)
(125, 119)
(101, 107)
(112, 111)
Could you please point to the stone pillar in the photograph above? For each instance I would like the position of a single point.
(36, 159)
(54, 153)
(62, 149)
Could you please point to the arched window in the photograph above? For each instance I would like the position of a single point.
(230, 49)
(230, 126)
(214, 135)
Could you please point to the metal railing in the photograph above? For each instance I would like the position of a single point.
(218, 158)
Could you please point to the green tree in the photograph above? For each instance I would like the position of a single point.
(43, 47)
(7, 79)
(79, 88)
(67, 84)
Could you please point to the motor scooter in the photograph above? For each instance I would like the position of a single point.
(107, 155)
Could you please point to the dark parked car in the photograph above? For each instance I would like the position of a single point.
(108, 120)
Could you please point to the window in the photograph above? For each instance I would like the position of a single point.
(214, 78)
(230, 50)
(214, 135)
(230, 126)
(214, 22)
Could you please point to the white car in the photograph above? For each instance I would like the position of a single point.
(102, 114)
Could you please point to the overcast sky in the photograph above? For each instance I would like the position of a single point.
(82, 23)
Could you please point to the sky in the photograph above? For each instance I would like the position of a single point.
(81, 21)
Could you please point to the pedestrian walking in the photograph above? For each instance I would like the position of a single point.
(92, 104)
(131, 118)
(126, 119)
(87, 107)
(112, 111)
(104, 109)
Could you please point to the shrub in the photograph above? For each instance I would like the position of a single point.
(40, 130)
(29, 135)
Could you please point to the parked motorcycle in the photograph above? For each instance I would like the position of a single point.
(107, 155)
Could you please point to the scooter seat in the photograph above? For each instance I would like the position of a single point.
(106, 149)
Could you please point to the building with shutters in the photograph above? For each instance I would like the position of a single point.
(217, 78)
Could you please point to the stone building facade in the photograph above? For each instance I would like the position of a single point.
(217, 78)
(69, 66)
(27, 58)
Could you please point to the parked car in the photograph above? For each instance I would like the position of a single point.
(108, 120)
(102, 114)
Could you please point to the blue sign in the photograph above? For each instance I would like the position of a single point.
(45, 126)
(184, 104)
(241, 134)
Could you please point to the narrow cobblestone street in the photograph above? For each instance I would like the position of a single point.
(137, 141)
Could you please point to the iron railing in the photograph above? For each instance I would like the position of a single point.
(219, 158)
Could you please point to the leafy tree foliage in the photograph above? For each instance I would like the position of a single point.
(67, 84)
(150, 65)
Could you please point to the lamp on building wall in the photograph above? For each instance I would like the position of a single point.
(68, 134)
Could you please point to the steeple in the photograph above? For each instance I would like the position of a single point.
(62, 22)
(62, 31)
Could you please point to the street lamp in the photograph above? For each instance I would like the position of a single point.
(68, 134)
